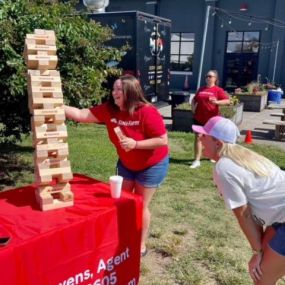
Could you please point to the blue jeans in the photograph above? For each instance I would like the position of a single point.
(151, 177)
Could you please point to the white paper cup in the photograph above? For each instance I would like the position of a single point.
(116, 182)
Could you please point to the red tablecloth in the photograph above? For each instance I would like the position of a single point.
(95, 242)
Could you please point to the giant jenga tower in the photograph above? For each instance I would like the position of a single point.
(52, 167)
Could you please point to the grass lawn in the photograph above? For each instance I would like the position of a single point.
(193, 238)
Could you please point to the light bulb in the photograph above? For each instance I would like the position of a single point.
(249, 23)
(222, 25)
(230, 21)
(266, 28)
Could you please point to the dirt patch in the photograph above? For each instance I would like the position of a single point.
(154, 266)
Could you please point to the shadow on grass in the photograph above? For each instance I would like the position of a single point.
(184, 161)
(12, 165)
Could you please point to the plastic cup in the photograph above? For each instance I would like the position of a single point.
(116, 182)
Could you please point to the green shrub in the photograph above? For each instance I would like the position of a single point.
(80, 48)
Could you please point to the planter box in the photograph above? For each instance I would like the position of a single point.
(253, 103)
(182, 120)
(238, 116)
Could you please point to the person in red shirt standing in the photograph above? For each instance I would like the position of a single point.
(205, 105)
(143, 146)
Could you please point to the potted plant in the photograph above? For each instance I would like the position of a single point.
(253, 96)
(234, 111)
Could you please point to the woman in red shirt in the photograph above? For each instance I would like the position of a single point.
(143, 146)
(205, 105)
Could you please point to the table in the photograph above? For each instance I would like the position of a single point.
(94, 242)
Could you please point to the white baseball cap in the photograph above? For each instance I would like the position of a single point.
(220, 128)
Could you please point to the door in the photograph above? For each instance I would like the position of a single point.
(241, 59)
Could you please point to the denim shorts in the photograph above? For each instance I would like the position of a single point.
(277, 243)
(151, 177)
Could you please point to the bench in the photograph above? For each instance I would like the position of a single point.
(277, 114)
(279, 127)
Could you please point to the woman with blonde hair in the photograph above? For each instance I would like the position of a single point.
(205, 105)
(253, 187)
(142, 145)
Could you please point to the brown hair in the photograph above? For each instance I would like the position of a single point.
(216, 75)
(132, 93)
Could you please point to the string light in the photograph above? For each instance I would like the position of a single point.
(250, 19)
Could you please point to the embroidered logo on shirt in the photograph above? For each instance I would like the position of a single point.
(114, 120)
(128, 123)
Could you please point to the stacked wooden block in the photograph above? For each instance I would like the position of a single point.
(52, 167)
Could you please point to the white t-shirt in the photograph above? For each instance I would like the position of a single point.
(265, 195)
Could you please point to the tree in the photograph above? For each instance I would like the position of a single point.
(81, 50)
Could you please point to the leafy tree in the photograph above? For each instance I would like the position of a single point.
(81, 50)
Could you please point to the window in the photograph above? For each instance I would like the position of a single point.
(243, 42)
(182, 50)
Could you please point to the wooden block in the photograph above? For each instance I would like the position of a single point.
(45, 103)
(45, 198)
(48, 119)
(33, 48)
(44, 81)
(45, 91)
(51, 134)
(119, 133)
(48, 163)
(47, 204)
(60, 187)
(57, 150)
(41, 61)
(48, 112)
(44, 73)
(45, 176)
(66, 196)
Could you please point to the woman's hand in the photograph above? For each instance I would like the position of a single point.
(213, 100)
(128, 143)
(254, 266)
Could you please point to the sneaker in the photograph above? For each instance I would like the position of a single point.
(195, 164)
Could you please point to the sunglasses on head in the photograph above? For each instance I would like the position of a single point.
(210, 76)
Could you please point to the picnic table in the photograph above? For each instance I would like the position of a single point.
(279, 124)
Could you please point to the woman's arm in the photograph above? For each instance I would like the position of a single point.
(152, 143)
(80, 115)
(220, 102)
(251, 230)
(254, 235)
